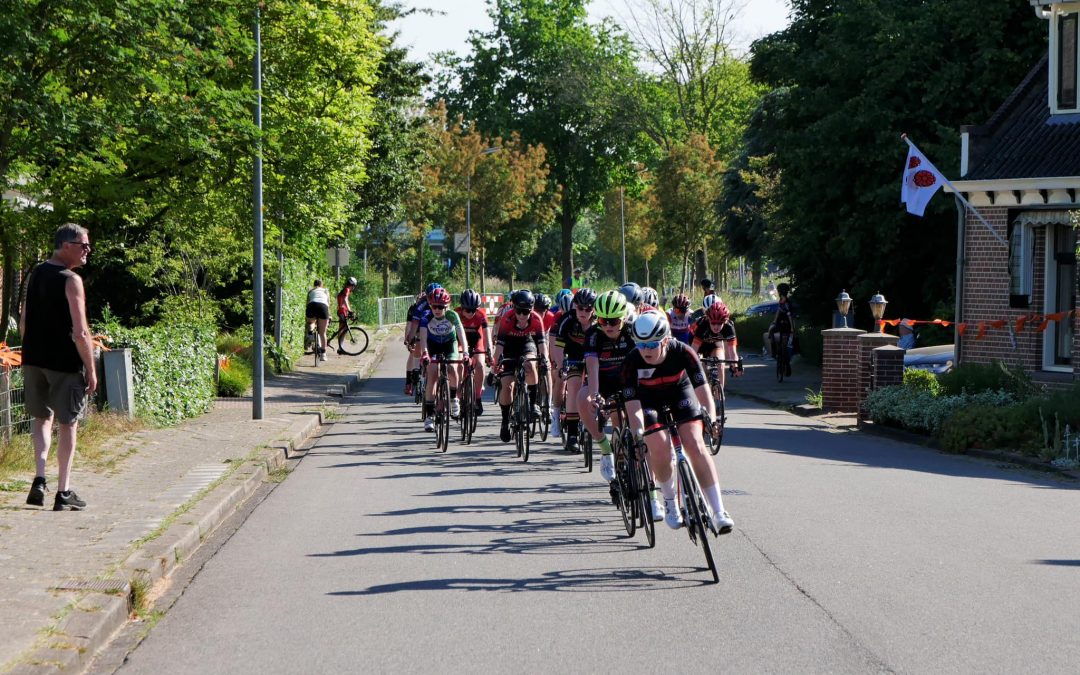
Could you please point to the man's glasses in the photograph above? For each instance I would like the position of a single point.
(438, 307)
(85, 246)
(610, 322)
(653, 344)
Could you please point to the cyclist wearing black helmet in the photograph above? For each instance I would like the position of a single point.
(474, 321)
(568, 359)
(520, 336)
(783, 322)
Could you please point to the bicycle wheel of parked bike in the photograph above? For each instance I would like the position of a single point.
(354, 340)
(695, 515)
(467, 403)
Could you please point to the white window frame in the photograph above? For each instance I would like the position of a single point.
(1052, 85)
(1023, 231)
(1050, 290)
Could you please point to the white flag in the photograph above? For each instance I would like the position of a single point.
(922, 180)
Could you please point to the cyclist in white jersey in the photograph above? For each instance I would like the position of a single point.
(318, 315)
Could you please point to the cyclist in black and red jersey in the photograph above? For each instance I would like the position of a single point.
(520, 336)
(606, 346)
(474, 321)
(417, 311)
(568, 359)
(716, 330)
(665, 373)
(343, 311)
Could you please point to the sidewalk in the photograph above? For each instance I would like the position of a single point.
(67, 579)
(759, 384)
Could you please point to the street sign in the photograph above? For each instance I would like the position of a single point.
(461, 243)
(337, 257)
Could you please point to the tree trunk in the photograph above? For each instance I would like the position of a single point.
(682, 280)
(386, 278)
(647, 272)
(7, 287)
(567, 218)
(483, 272)
(755, 277)
(701, 265)
(420, 264)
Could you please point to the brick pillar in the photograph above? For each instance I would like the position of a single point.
(888, 366)
(840, 370)
(868, 342)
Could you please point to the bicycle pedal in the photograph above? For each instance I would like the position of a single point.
(723, 531)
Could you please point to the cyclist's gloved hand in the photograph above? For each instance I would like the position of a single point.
(425, 358)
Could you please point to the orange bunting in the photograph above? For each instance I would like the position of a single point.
(997, 325)
(9, 358)
(961, 328)
(982, 330)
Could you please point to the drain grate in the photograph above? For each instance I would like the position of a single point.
(110, 586)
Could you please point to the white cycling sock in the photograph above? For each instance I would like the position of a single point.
(712, 496)
(668, 487)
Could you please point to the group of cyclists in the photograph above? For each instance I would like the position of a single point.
(589, 348)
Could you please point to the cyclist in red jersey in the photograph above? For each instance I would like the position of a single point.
(474, 321)
(521, 335)
(343, 311)
(714, 335)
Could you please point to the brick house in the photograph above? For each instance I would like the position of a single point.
(1021, 171)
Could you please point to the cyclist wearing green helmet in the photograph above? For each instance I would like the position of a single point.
(607, 344)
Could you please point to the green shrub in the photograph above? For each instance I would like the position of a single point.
(919, 410)
(921, 380)
(234, 377)
(811, 344)
(750, 329)
(973, 378)
(989, 427)
(174, 367)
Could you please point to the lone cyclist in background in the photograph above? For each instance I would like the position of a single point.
(783, 322)
(317, 314)
(343, 311)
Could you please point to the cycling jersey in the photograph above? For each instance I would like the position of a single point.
(783, 321)
(442, 337)
(343, 301)
(549, 320)
(669, 384)
(419, 310)
(473, 325)
(319, 295)
(680, 325)
(570, 337)
(610, 353)
(513, 336)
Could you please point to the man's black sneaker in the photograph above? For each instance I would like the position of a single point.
(68, 500)
(787, 370)
(504, 433)
(37, 492)
(340, 351)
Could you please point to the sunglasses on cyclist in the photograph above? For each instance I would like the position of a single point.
(610, 322)
(521, 311)
(587, 308)
(438, 307)
(654, 344)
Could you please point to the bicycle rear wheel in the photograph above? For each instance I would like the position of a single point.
(781, 359)
(354, 340)
(467, 403)
(585, 443)
(695, 515)
(621, 487)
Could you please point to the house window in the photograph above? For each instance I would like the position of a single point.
(1067, 61)
(1021, 252)
(1064, 297)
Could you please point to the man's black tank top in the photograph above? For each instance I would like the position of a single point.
(48, 342)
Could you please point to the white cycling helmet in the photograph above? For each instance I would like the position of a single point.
(649, 326)
(709, 299)
(650, 297)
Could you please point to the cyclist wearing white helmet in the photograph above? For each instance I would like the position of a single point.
(665, 373)
(343, 311)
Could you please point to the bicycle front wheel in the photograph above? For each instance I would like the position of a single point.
(696, 514)
(621, 487)
(542, 397)
(645, 488)
(585, 443)
(467, 403)
(354, 340)
(442, 414)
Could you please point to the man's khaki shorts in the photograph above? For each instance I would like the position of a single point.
(48, 392)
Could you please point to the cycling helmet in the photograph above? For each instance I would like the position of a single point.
(650, 297)
(523, 299)
(611, 305)
(718, 312)
(586, 297)
(632, 293)
(440, 296)
(783, 289)
(565, 302)
(561, 293)
(351, 281)
(543, 302)
(708, 300)
(470, 299)
(432, 286)
(680, 301)
(650, 326)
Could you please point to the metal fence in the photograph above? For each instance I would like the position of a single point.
(395, 310)
(13, 417)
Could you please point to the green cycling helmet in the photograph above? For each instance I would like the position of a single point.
(611, 305)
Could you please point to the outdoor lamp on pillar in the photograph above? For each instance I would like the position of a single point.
(877, 308)
(843, 304)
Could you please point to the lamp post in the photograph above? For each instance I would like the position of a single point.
(257, 271)
(877, 308)
(843, 303)
(622, 227)
(468, 213)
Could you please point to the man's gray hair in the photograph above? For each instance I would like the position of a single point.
(68, 232)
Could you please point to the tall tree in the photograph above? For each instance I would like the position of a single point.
(545, 72)
(854, 75)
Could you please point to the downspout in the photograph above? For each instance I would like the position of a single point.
(960, 227)
(1041, 12)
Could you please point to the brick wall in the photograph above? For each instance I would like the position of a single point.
(887, 365)
(867, 343)
(840, 370)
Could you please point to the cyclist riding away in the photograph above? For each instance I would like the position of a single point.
(343, 312)
(520, 336)
(441, 334)
(474, 320)
(783, 322)
(714, 330)
(568, 359)
(665, 373)
(318, 316)
(607, 345)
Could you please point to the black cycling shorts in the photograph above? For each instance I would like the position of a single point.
(317, 310)
(684, 410)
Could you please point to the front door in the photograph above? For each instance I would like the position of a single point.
(1061, 293)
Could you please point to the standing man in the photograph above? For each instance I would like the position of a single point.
(58, 359)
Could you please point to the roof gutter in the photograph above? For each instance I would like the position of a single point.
(1041, 11)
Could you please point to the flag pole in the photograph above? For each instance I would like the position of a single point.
(959, 195)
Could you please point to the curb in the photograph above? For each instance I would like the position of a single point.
(104, 607)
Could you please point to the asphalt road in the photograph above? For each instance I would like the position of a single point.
(851, 554)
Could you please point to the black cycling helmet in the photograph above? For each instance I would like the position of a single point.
(632, 293)
(650, 297)
(523, 299)
(585, 298)
(783, 289)
(542, 303)
(470, 299)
